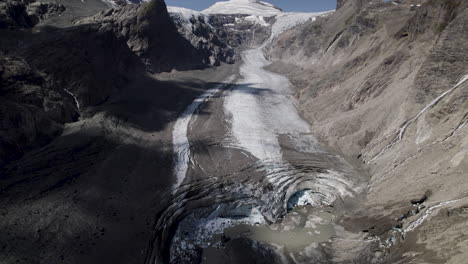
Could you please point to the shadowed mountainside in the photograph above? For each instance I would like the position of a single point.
(93, 59)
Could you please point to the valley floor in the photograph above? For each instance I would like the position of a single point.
(241, 152)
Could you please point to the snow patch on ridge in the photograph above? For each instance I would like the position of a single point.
(184, 12)
(247, 7)
(187, 17)
(402, 130)
(110, 3)
(260, 20)
(431, 210)
(285, 21)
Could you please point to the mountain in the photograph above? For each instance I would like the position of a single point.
(133, 132)
(384, 83)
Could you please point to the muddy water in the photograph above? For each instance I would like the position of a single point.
(300, 229)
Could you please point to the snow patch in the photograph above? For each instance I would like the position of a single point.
(285, 21)
(110, 3)
(77, 103)
(184, 12)
(413, 225)
(187, 17)
(247, 7)
(260, 20)
(402, 130)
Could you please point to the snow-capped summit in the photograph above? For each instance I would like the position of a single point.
(248, 7)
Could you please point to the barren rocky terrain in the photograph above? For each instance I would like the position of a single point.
(138, 133)
(383, 84)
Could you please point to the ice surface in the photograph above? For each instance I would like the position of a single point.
(285, 21)
(180, 133)
(187, 17)
(261, 105)
(261, 109)
(248, 7)
(184, 12)
(196, 232)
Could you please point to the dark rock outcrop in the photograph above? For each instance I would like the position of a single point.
(150, 33)
(88, 60)
(340, 3)
(39, 11)
(239, 32)
(13, 14)
(32, 110)
(27, 14)
(432, 17)
(201, 34)
(98, 56)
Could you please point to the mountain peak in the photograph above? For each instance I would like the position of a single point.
(247, 7)
(245, 1)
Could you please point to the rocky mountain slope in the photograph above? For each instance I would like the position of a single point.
(385, 84)
(77, 58)
(79, 96)
(96, 96)
(32, 109)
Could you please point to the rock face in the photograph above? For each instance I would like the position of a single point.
(14, 15)
(218, 37)
(39, 11)
(79, 96)
(79, 60)
(198, 30)
(340, 3)
(26, 14)
(142, 38)
(33, 111)
(151, 35)
(379, 84)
